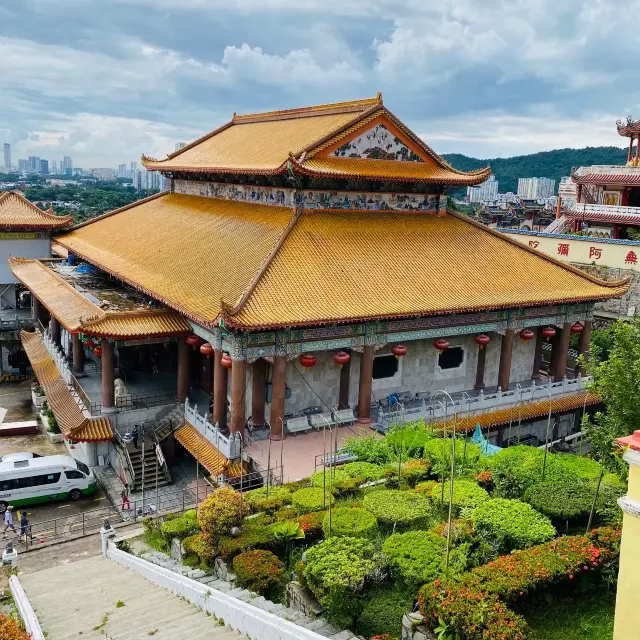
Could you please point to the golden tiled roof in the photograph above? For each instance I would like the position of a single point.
(188, 251)
(201, 449)
(352, 265)
(72, 421)
(16, 212)
(77, 313)
(527, 412)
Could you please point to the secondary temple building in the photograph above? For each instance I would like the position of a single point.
(304, 269)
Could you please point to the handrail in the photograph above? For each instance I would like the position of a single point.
(127, 457)
(84, 398)
(156, 442)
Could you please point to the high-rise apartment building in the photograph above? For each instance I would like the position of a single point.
(67, 165)
(134, 166)
(123, 172)
(54, 167)
(536, 188)
(486, 191)
(44, 167)
(179, 145)
(7, 156)
(144, 180)
(23, 164)
(33, 164)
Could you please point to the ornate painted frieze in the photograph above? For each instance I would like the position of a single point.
(268, 337)
(244, 193)
(444, 321)
(537, 322)
(294, 348)
(326, 332)
(212, 336)
(267, 352)
(406, 336)
(538, 312)
(377, 143)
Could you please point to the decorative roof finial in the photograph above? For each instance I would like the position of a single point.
(379, 96)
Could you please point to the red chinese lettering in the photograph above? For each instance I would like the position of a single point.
(533, 244)
(563, 249)
(631, 258)
(594, 252)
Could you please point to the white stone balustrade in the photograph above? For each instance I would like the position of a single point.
(57, 355)
(229, 447)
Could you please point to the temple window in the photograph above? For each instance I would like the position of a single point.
(387, 371)
(451, 358)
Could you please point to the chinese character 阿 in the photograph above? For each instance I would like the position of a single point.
(563, 249)
(595, 253)
(631, 258)
(533, 244)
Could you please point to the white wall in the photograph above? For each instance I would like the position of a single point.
(36, 248)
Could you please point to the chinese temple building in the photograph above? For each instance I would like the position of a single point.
(302, 271)
(527, 215)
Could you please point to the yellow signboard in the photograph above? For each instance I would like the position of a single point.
(28, 235)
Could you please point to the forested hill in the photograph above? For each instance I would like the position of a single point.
(546, 164)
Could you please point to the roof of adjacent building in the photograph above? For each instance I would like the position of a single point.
(72, 422)
(16, 212)
(628, 127)
(301, 140)
(76, 312)
(607, 175)
(259, 266)
(616, 216)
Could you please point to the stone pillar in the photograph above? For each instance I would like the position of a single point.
(278, 390)
(183, 370)
(237, 396)
(562, 345)
(583, 346)
(366, 382)
(628, 590)
(219, 390)
(78, 355)
(504, 368)
(537, 356)
(108, 392)
(258, 392)
(482, 357)
(55, 331)
(345, 379)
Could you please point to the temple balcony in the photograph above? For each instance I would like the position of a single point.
(596, 212)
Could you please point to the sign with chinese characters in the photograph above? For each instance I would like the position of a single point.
(27, 235)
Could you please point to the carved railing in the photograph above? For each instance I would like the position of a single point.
(229, 447)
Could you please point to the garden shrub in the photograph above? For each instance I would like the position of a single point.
(294, 485)
(461, 531)
(10, 629)
(200, 545)
(354, 522)
(408, 441)
(259, 571)
(484, 479)
(425, 487)
(338, 571)
(288, 512)
(438, 452)
(180, 527)
(561, 499)
(467, 495)
(413, 471)
(383, 611)
(311, 499)
(367, 471)
(475, 605)
(338, 479)
(608, 510)
(417, 557)
(402, 509)
(257, 500)
(255, 534)
(220, 511)
(369, 449)
(511, 524)
(311, 523)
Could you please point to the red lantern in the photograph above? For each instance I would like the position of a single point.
(527, 334)
(226, 361)
(399, 350)
(482, 340)
(341, 358)
(577, 327)
(193, 341)
(548, 332)
(90, 344)
(206, 349)
(98, 352)
(307, 361)
(441, 344)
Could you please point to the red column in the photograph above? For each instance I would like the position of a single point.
(345, 380)
(183, 370)
(583, 345)
(630, 148)
(78, 355)
(504, 368)
(237, 396)
(365, 385)
(482, 357)
(278, 391)
(219, 390)
(108, 391)
(258, 392)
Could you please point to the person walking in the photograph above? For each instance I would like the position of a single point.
(124, 494)
(134, 435)
(25, 528)
(8, 521)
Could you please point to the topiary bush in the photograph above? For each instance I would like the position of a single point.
(417, 557)
(338, 572)
(259, 571)
(255, 534)
(425, 487)
(400, 509)
(350, 521)
(383, 611)
(289, 512)
(311, 499)
(180, 527)
(220, 511)
(311, 523)
(366, 471)
(257, 500)
(566, 499)
(413, 471)
(511, 524)
(338, 479)
(467, 495)
(200, 545)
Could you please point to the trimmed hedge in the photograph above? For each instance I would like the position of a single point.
(220, 511)
(257, 500)
(350, 521)
(561, 499)
(311, 499)
(383, 611)
(255, 534)
(367, 471)
(475, 607)
(311, 523)
(467, 495)
(402, 509)
(425, 487)
(419, 556)
(200, 545)
(180, 527)
(511, 524)
(259, 571)
(338, 479)
(413, 471)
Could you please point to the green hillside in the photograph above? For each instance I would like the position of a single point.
(546, 164)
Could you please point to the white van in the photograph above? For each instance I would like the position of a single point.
(42, 479)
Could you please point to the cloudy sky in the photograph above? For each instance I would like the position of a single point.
(105, 80)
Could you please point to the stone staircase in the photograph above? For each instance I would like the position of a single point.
(319, 625)
(150, 464)
(96, 598)
(169, 423)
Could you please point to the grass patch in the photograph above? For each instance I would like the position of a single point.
(119, 604)
(585, 617)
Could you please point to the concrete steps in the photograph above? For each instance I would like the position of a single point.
(81, 599)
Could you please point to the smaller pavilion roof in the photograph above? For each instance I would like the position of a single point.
(617, 215)
(607, 175)
(628, 127)
(111, 313)
(16, 212)
(73, 423)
